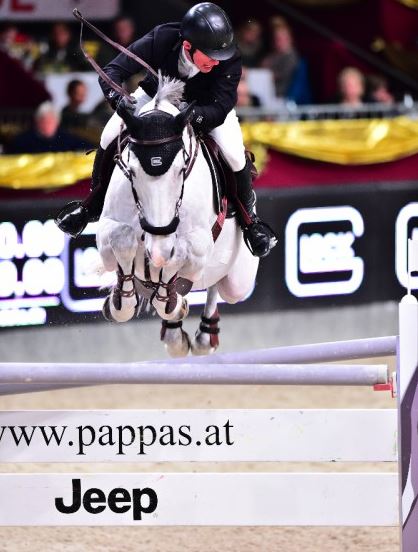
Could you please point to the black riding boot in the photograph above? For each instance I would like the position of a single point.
(75, 216)
(258, 235)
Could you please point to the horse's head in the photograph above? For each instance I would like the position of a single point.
(160, 143)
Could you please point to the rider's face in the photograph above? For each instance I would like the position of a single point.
(204, 63)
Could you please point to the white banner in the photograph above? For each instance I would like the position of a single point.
(30, 10)
(198, 435)
(199, 499)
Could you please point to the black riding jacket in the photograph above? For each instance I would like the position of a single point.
(215, 92)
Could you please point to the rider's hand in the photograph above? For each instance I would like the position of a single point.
(125, 104)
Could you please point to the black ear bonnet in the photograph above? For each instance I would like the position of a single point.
(156, 125)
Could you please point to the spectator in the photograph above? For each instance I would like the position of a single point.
(16, 44)
(46, 135)
(123, 32)
(284, 59)
(62, 54)
(351, 87)
(378, 90)
(245, 98)
(251, 44)
(71, 115)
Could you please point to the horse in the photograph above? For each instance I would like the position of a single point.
(156, 228)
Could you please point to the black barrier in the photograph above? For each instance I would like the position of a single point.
(340, 245)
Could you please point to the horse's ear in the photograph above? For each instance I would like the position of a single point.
(185, 116)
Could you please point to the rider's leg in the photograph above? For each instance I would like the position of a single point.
(258, 236)
(76, 215)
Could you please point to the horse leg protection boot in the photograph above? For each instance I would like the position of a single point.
(75, 216)
(258, 235)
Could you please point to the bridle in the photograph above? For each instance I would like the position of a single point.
(189, 160)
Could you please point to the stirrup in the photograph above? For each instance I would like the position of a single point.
(69, 209)
(266, 230)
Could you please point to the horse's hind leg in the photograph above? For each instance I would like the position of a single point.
(206, 339)
(122, 303)
(176, 340)
(239, 281)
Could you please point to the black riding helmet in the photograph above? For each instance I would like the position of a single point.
(207, 27)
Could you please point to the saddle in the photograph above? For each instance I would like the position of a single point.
(223, 178)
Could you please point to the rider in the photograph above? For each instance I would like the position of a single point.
(200, 51)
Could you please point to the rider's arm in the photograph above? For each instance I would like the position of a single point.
(123, 67)
(223, 99)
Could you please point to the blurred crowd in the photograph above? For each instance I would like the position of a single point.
(290, 75)
(274, 74)
(73, 126)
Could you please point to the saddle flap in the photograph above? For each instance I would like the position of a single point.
(211, 154)
(223, 177)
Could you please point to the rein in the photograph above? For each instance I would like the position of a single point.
(115, 45)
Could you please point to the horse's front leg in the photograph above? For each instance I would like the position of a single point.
(172, 308)
(206, 339)
(122, 303)
(169, 304)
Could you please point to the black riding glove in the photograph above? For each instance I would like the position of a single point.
(125, 104)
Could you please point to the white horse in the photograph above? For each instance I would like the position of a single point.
(156, 227)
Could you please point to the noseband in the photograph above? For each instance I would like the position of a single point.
(189, 160)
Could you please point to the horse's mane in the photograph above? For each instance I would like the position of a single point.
(169, 89)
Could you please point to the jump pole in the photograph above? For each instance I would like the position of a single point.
(202, 374)
(353, 349)
(318, 352)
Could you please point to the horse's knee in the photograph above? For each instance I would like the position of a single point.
(123, 238)
(231, 293)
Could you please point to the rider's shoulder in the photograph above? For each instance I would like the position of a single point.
(231, 65)
(167, 31)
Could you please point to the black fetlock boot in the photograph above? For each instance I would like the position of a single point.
(75, 216)
(259, 237)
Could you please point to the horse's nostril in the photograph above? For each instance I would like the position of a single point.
(172, 253)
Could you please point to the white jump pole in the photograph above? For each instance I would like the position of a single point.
(353, 349)
(209, 374)
(317, 352)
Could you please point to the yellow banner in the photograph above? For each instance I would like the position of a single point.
(346, 142)
(410, 3)
(44, 170)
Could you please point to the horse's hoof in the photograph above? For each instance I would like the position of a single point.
(106, 310)
(122, 315)
(201, 345)
(176, 349)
